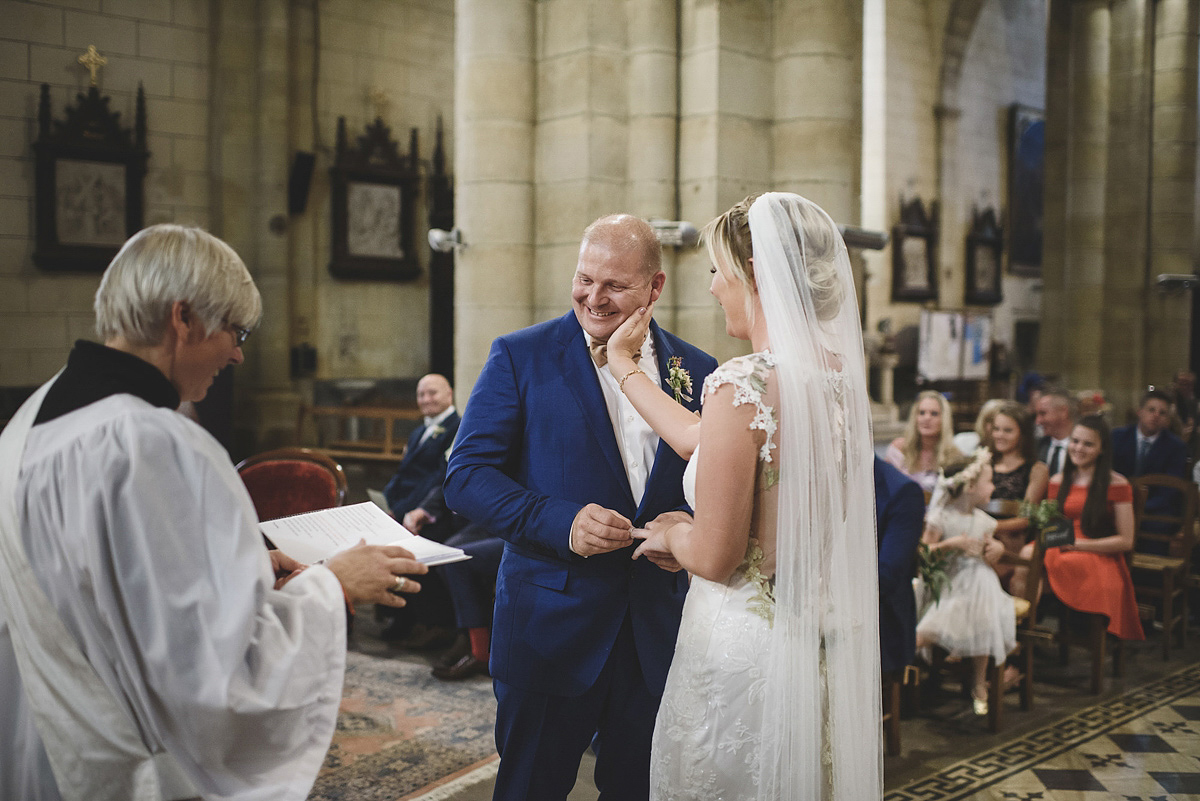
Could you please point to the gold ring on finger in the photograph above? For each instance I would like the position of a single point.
(401, 583)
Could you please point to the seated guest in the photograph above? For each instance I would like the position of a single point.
(470, 585)
(1054, 416)
(899, 520)
(424, 464)
(1147, 447)
(968, 441)
(1187, 409)
(974, 618)
(927, 442)
(150, 647)
(1091, 575)
(1017, 476)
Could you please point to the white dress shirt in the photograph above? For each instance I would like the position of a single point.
(636, 440)
(430, 422)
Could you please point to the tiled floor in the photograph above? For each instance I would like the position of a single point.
(1144, 744)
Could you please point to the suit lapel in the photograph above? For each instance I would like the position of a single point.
(580, 374)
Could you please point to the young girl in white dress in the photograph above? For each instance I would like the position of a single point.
(774, 689)
(974, 618)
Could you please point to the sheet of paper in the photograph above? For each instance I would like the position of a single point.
(318, 535)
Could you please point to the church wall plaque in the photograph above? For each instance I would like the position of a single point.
(89, 179)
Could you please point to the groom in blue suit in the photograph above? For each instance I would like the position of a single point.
(555, 460)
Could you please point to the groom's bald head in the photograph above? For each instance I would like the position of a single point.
(624, 233)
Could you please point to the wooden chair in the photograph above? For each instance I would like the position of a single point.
(893, 684)
(1097, 644)
(1162, 580)
(1028, 631)
(359, 433)
(290, 481)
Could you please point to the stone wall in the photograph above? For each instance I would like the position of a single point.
(162, 45)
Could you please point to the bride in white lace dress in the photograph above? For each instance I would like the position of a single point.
(774, 689)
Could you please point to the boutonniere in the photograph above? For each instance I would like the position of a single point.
(679, 379)
(436, 430)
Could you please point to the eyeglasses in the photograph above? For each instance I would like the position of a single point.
(240, 335)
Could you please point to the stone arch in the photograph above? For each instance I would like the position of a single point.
(960, 23)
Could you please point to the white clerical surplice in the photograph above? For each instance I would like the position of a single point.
(145, 543)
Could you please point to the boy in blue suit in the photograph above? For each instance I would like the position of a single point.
(1147, 447)
(554, 459)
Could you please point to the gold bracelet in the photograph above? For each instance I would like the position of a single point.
(634, 371)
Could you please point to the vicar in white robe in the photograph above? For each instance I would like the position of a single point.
(150, 647)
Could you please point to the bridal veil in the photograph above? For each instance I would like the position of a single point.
(822, 736)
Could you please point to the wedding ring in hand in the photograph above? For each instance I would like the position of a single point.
(399, 585)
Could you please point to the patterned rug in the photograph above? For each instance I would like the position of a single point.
(400, 731)
(1141, 746)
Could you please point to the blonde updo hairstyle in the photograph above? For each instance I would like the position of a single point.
(166, 263)
(727, 239)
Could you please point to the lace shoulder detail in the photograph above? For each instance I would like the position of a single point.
(748, 375)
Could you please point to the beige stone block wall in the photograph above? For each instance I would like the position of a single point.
(161, 44)
(405, 48)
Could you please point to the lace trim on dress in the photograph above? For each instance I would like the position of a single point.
(762, 603)
(748, 375)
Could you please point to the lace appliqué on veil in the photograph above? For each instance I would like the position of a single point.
(748, 376)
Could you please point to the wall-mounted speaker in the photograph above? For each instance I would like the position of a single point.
(299, 181)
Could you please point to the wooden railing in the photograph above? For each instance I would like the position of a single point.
(358, 432)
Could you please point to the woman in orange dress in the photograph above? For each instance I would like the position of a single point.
(1091, 575)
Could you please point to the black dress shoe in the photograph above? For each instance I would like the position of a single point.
(464, 668)
(427, 638)
(460, 648)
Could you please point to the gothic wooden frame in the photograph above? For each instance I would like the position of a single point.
(373, 173)
(985, 242)
(914, 246)
(92, 138)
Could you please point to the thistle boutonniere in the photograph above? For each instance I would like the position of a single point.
(436, 430)
(679, 379)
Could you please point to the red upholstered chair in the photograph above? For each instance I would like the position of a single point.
(290, 481)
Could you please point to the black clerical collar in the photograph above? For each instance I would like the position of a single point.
(94, 372)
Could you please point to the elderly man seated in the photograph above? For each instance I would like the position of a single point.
(150, 647)
(424, 464)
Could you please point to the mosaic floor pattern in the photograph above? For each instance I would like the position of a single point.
(1140, 746)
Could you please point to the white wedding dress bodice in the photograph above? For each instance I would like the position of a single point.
(708, 736)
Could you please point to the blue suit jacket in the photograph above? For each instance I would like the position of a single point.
(1167, 455)
(899, 520)
(422, 469)
(536, 446)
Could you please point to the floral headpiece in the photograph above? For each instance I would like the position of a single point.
(966, 477)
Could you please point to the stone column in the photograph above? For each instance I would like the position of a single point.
(727, 104)
(1087, 150)
(817, 135)
(1173, 211)
(249, 134)
(493, 168)
(951, 221)
(1122, 343)
(652, 153)
(1052, 355)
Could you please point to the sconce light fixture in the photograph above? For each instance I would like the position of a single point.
(863, 238)
(675, 233)
(1172, 282)
(445, 241)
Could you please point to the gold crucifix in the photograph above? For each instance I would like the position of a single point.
(92, 61)
(379, 99)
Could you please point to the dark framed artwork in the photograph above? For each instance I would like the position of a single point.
(914, 240)
(374, 191)
(985, 247)
(89, 179)
(1026, 182)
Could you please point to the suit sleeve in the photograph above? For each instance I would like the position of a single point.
(902, 522)
(479, 485)
(1177, 460)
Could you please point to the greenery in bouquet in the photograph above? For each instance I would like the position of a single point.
(931, 569)
(1041, 514)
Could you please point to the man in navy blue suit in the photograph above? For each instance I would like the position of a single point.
(899, 521)
(1149, 447)
(424, 464)
(555, 460)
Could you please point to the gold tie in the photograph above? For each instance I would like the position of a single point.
(599, 352)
